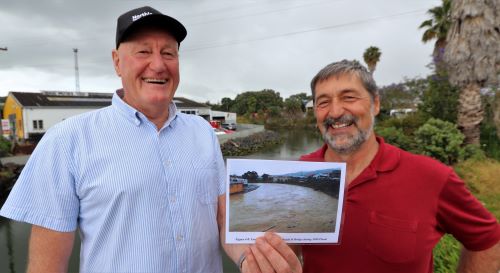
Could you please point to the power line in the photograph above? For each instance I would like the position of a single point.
(236, 42)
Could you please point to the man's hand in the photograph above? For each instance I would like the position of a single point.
(271, 254)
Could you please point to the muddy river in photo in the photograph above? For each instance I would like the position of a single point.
(282, 208)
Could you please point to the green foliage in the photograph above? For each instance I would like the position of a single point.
(255, 101)
(401, 95)
(5, 146)
(408, 124)
(440, 99)
(441, 140)
(446, 255)
(474, 152)
(396, 137)
(292, 107)
(489, 140)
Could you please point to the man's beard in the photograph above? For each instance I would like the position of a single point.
(351, 142)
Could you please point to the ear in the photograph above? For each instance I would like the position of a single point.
(116, 61)
(376, 105)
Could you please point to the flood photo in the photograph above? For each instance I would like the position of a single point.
(297, 199)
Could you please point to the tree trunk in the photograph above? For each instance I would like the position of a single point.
(470, 113)
(438, 57)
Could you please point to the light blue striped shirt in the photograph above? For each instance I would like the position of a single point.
(144, 200)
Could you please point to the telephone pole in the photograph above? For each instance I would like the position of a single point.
(77, 77)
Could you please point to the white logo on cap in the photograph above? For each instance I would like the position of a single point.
(139, 16)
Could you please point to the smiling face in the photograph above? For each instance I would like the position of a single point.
(345, 112)
(148, 64)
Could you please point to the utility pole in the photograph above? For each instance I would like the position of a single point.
(77, 77)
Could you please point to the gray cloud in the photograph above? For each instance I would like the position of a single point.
(231, 46)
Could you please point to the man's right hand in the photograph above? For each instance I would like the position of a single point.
(271, 254)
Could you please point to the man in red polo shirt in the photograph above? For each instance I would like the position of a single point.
(398, 205)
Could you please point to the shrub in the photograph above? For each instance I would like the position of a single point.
(441, 140)
(5, 146)
(395, 137)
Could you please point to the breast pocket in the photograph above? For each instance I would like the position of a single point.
(206, 185)
(392, 239)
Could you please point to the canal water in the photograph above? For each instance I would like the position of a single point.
(14, 236)
(282, 208)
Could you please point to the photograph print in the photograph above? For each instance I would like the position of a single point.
(302, 201)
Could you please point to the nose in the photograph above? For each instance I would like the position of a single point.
(157, 63)
(336, 109)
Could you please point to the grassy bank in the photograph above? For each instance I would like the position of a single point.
(482, 179)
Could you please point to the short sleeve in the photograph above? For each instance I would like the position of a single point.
(44, 193)
(463, 216)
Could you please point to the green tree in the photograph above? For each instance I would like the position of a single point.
(472, 58)
(372, 57)
(440, 99)
(293, 107)
(251, 176)
(441, 140)
(254, 101)
(437, 28)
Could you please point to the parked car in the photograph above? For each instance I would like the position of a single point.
(229, 126)
(219, 131)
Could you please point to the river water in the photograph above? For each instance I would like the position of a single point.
(282, 208)
(14, 236)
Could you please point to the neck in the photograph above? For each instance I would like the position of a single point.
(356, 161)
(158, 115)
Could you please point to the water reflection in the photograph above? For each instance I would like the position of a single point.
(296, 143)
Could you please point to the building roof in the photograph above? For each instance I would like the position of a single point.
(81, 99)
(64, 99)
(181, 102)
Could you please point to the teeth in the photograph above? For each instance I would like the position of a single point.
(340, 125)
(157, 81)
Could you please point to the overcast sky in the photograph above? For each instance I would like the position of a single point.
(231, 46)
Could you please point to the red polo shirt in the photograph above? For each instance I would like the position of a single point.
(396, 211)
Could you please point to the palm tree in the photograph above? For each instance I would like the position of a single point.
(471, 55)
(437, 28)
(372, 57)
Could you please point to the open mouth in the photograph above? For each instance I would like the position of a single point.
(155, 81)
(339, 125)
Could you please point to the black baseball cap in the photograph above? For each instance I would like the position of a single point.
(132, 19)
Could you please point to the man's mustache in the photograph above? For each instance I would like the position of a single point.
(329, 121)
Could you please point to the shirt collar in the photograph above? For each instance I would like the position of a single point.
(136, 117)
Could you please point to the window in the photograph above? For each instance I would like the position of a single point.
(38, 124)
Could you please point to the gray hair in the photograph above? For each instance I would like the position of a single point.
(347, 67)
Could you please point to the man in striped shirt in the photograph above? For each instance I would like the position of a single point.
(142, 183)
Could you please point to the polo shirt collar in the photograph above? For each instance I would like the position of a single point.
(134, 116)
(386, 159)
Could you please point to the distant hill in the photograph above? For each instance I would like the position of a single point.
(309, 173)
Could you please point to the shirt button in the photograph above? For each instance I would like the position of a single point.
(167, 163)
(179, 237)
(172, 199)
